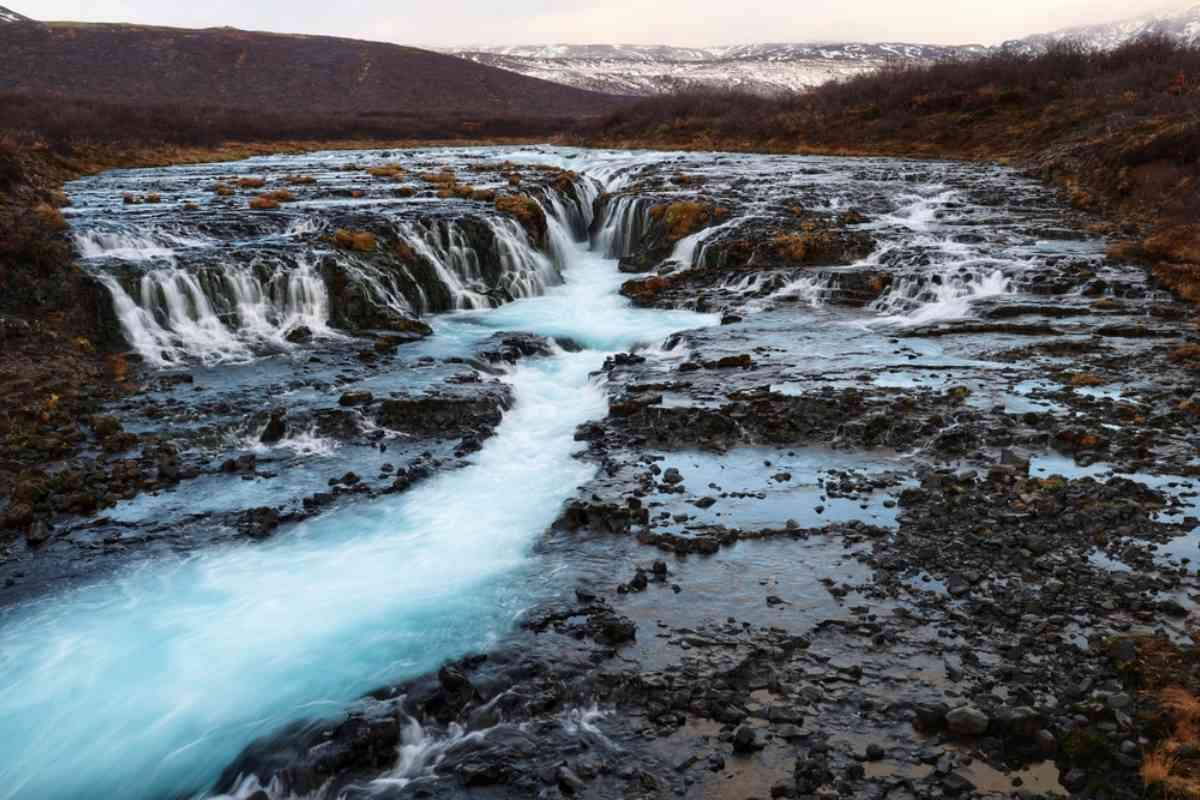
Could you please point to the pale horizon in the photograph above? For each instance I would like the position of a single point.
(680, 23)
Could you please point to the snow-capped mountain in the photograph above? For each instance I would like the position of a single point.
(1182, 23)
(778, 68)
(7, 15)
(655, 69)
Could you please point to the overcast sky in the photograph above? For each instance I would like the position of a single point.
(445, 23)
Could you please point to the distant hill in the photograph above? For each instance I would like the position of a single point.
(774, 69)
(1182, 24)
(137, 64)
(659, 69)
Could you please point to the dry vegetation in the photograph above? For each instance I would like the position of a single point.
(684, 217)
(526, 211)
(359, 241)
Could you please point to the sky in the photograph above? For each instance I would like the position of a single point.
(451, 23)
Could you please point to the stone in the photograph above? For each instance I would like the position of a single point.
(967, 721)
(355, 399)
(745, 740)
(276, 427)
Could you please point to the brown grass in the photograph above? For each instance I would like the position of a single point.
(359, 241)
(526, 211)
(1183, 280)
(1086, 379)
(1187, 352)
(251, 183)
(300, 180)
(263, 203)
(390, 171)
(683, 217)
(50, 217)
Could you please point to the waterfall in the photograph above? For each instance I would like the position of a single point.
(184, 307)
(219, 314)
(944, 295)
(456, 263)
(623, 224)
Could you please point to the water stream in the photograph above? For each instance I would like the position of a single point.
(147, 684)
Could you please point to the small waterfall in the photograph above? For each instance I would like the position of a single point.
(525, 271)
(946, 295)
(444, 246)
(127, 245)
(622, 226)
(219, 314)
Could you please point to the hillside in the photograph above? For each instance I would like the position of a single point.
(644, 70)
(269, 72)
(1181, 24)
(777, 69)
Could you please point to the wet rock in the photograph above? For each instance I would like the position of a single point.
(300, 334)
(672, 476)
(746, 740)
(349, 399)
(38, 532)
(276, 427)
(259, 522)
(106, 426)
(967, 721)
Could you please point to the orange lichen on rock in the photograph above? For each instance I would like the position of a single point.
(526, 211)
(683, 217)
(359, 241)
(645, 290)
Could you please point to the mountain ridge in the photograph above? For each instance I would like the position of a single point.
(781, 67)
(262, 71)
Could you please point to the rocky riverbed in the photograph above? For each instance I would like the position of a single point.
(888, 477)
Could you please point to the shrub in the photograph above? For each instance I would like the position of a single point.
(263, 203)
(50, 217)
(251, 183)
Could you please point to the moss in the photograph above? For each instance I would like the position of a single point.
(526, 211)
(359, 241)
(269, 200)
(683, 217)
(392, 171)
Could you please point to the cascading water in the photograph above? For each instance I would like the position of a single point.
(210, 298)
(220, 314)
(147, 684)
